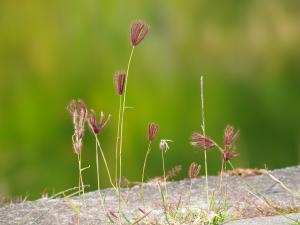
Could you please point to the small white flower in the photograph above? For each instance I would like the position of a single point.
(163, 144)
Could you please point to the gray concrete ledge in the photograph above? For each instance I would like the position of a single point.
(244, 199)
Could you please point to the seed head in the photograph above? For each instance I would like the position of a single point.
(230, 137)
(95, 126)
(194, 170)
(120, 80)
(138, 32)
(174, 172)
(202, 142)
(229, 154)
(152, 131)
(79, 114)
(163, 144)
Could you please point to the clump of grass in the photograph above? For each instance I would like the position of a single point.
(204, 143)
(81, 114)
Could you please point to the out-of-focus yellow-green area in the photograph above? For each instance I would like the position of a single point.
(54, 51)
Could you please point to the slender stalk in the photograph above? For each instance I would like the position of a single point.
(122, 114)
(164, 203)
(165, 179)
(105, 162)
(117, 141)
(122, 125)
(190, 193)
(203, 130)
(98, 179)
(143, 174)
(79, 174)
(80, 177)
(221, 176)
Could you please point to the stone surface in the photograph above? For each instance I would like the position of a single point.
(268, 220)
(246, 197)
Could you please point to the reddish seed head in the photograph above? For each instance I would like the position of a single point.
(228, 155)
(96, 126)
(230, 137)
(152, 131)
(194, 170)
(202, 142)
(79, 113)
(120, 80)
(138, 32)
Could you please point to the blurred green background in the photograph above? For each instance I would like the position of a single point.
(54, 51)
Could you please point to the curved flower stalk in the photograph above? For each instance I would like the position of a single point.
(152, 132)
(164, 147)
(96, 127)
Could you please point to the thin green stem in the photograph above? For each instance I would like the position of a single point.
(98, 180)
(105, 162)
(203, 130)
(80, 177)
(165, 180)
(122, 120)
(79, 173)
(221, 175)
(143, 173)
(164, 203)
(117, 141)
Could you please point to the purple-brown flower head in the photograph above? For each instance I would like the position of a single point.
(202, 142)
(79, 114)
(230, 137)
(96, 126)
(120, 80)
(152, 131)
(138, 32)
(229, 154)
(194, 170)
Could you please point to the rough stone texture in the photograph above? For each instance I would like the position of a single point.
(244, 199)
(268, 220)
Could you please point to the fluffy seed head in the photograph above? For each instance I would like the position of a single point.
(202, 142)
(194, 170)
(152, 131)
(138, 32)
(163, 144)
(79, 114)
(120, 80)
(95, 126)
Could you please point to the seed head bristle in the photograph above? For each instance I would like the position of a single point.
(164, 145)
(194, 170)
(95, 126)
(120, 80)
(138, 31)
(230, 137)
(202, 142)
(152, 131)
(229, 154)
(79, 114)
